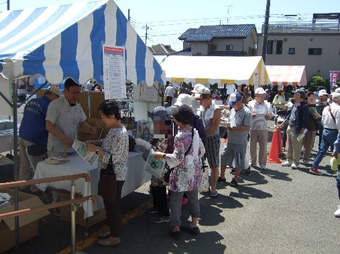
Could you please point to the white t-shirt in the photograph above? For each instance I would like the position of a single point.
(66, 119)
(260, 122)
(170, 91)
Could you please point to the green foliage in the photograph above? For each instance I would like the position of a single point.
(317, 81)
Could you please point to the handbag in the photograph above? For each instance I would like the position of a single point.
(107, 185)
(167, 173)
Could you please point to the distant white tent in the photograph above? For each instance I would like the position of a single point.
(216, 69)
(287, 74)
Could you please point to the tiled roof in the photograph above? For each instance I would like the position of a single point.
(161, 49)
(207, 33)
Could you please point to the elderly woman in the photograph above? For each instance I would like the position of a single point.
(186, 173)
(115, 145)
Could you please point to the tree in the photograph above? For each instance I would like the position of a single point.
(317, 81)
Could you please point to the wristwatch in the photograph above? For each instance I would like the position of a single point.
(97, 150)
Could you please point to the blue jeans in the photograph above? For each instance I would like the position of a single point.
(328, 139)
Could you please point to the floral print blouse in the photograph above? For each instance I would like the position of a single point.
(187, 172)
(116, 144)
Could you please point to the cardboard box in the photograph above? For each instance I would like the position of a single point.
(28, 224)
(65, 214)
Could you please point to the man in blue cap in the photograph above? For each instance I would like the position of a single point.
(236, 147)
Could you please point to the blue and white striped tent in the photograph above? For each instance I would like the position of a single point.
(67, 41)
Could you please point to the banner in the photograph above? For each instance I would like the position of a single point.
(333, 78)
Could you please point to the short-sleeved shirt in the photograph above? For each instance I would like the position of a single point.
(170, 91)
(239, 118)
(260, 122)
(207, 116)
(33, 126)
(66, 119)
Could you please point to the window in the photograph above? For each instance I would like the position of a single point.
(213, 47)
(279, 47)
(229, 47)
(315, 51)
(270, 47)
(291, 51)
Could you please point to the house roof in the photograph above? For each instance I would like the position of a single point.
(161, 49)
(207, 33)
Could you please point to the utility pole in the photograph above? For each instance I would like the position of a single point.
(8, 3)
(146, 33)
(265, 31)
(129, 15)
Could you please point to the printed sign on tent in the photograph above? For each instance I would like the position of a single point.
(114, 72)
(333, 78)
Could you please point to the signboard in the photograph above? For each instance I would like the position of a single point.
(114, 72)
(333, 78)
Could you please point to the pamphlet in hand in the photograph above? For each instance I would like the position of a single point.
(153, 166)
(81, 149)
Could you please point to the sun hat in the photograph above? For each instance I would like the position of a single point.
(185, 99)
(55, 90)
(336, 96)
(234, 97)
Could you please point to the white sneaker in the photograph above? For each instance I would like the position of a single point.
(294, 166)
(337, 212)
(263, 167)
(286, 164)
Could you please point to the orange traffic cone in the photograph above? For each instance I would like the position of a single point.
(273, 156)
(279, 140)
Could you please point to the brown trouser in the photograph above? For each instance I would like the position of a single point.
(114, 212)
(261, 137)
(294, 146)
(308, 142)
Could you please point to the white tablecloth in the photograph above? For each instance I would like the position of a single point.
(136, 176)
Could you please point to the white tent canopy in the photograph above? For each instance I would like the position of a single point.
(215, 69)
(287, 74)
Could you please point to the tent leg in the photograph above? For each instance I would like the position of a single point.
(15, 151)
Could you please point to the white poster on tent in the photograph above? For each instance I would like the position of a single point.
(114, 72)
(255, 80)
(5, 89)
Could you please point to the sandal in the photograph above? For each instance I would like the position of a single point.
(214, 194)
(109, 242)
(104, 234)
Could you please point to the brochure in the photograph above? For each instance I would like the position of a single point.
(81, 149)
(153, 166)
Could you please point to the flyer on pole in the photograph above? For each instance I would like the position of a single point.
(114, 72)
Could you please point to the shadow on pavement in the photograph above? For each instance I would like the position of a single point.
(246, 192)
(274, 174)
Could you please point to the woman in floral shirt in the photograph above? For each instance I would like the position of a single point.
(186, 174)
(116, 144)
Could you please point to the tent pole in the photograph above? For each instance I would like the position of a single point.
(15, 149)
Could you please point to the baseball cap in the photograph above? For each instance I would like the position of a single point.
(259, 90)
(159, 113)
(185, 99)
(199, 90)
(323, 92)
(300, 91)
(55, 90)
(183, 114)
(234, 97)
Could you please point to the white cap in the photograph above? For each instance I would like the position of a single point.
(323, 92)
(260, 90)
(185, 99)
(337, 90)
(199, 90)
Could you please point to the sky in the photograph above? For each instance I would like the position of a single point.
(167, 20)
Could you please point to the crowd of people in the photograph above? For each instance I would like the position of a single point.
(186, 136)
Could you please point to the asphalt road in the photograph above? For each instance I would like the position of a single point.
(278, 210)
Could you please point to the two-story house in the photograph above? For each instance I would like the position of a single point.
(220, 40)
